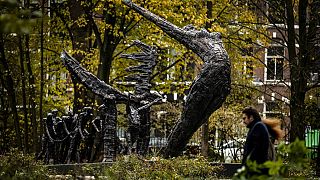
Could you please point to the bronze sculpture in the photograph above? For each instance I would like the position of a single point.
(138, 104)
(209, 89)
(139, 112)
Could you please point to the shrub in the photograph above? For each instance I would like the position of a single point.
(133, 167)
(16, 165)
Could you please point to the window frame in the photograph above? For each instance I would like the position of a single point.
(276, 59)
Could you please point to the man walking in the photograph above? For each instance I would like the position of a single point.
(257, 143)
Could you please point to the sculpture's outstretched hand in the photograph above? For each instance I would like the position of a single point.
(97, 86)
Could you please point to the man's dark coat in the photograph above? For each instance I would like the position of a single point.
(257, 143)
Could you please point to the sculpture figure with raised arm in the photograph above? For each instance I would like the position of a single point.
(208, 90)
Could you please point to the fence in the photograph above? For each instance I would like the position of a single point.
(222, 147)
(312, 142)
(158, 140)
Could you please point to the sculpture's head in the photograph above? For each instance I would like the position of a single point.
(194, 34)
(49, 115)
(69, 113)
(201, 41)
(207, 45)
(49, 119)
(54, 112)
(88, 111)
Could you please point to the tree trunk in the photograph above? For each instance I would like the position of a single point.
(24, 99)
(298, 82)
(297, 114)
(41, 74)
(32, 95)
(205, 139)
(11, 92)
(205, 126)
(79, 42)
(4, 114)
(76, 96)
(32, 89)
(106, 61)
(312, 35)
(318, 158)
(108, 44)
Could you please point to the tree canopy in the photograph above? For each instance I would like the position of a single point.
(97, 32)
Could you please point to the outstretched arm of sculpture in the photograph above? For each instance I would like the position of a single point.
(166, 26)
(200, 42)
(91, 81)
(97, 86)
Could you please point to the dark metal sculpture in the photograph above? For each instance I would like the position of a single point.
(108, 94)
(98, 87)
(210, 88)
(105, 144)
(109, 127)
(89, 80)
(78, 138)
(61, 134)
(53, 139)
(46, 141)
(97, 128)
(139, 112)
(78, 134)
(66, 122)
(138, 104)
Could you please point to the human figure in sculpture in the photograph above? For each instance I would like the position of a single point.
(78, 134)
(208, 90)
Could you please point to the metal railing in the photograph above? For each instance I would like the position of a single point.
(312, 142)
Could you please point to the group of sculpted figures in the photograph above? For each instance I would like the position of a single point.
(80, 137)
(63, 135)
(206, 94)
(97, 136)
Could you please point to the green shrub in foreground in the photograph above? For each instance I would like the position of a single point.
(16, 165)
(133, 167)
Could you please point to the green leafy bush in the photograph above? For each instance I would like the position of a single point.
(16, 165)
(292, 163)
(132, 167)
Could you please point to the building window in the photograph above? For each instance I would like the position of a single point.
(273, 109)
(274, 63)
(272, 106)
